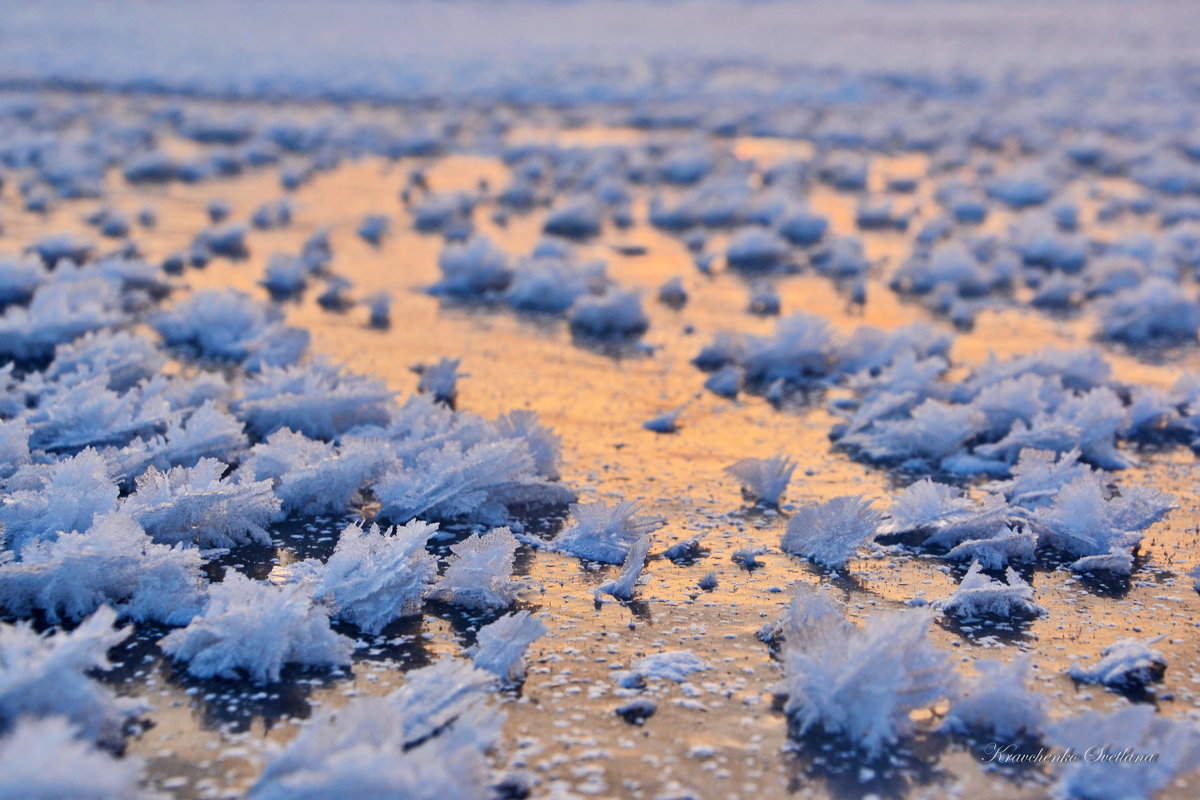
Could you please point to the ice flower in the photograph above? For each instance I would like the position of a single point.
(1125, 664)
(253, 629)
(829, 533)
(997, 703)
(763, 479)
(378, 575)
(44, 759)
(425, 741)
(980, 596)
(317, 399)
(860, 683)
(113, 563)
(196, 504)
(45, 675)
(1175, 745)
(479, 572)
(604, 532)
(501, 645)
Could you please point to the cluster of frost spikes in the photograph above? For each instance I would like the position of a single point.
(480, 483)
(997, 703)
(255, 628)
(207, 432)
(1051, 400)
(45, 676)
(1138, 729)
(631, 571)
(72, 416)
(34, 508)
(1081, 521)
(317, 399)
(115, 563)
(60, 311)
(1125, 664)
(981, 596)
(829, 533)
(196, 504)
(44, 759)
(1156, 310)
(616, 314)
(501, 645)
(425, 741)
(604, 532)
(479, 572)
(474, 269)
(764, 479)
(860, 683)
(376, 576)
(227, 325)
(312, 476)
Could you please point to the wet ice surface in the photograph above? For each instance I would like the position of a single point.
(716, 732)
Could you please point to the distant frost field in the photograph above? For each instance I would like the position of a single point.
(435, 401)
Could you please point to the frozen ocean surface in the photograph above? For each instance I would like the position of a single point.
(634, 400)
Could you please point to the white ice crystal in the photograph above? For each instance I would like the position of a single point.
(800, 351)
(1117, 561)
(616, 314)
(1086, 422)
(228, 325)
(20, 276)
(631, 571)
(1081, 521)
(196, 504)
(604, 532)
(544, 444)
(479, 483)
(829, 533)
(932, 431)
(479, 573)
(317, 399)
(425, 741)
(925, 506)
(440, 380)
(860, 683)
(14, 447)
(1139, 732)
(1158, 309)
(253, 629)
(1124, 664)
(755, 249)
(123, 357)
(43, 759)
(978, 596)
(763, 479)
(552, 285)
(1006, 547)
(501, 645)
(1037, 477)
(312, 476)
(44, 675)
(997, 703)
(44, 499)
(207, 432)
(472, 269)
(988, 520)
(115, 563)
(71, 417)
(60, 311)
(378, 575)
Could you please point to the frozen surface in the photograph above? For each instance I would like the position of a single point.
(287, 347)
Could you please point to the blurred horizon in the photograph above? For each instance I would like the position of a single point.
(552, 49)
